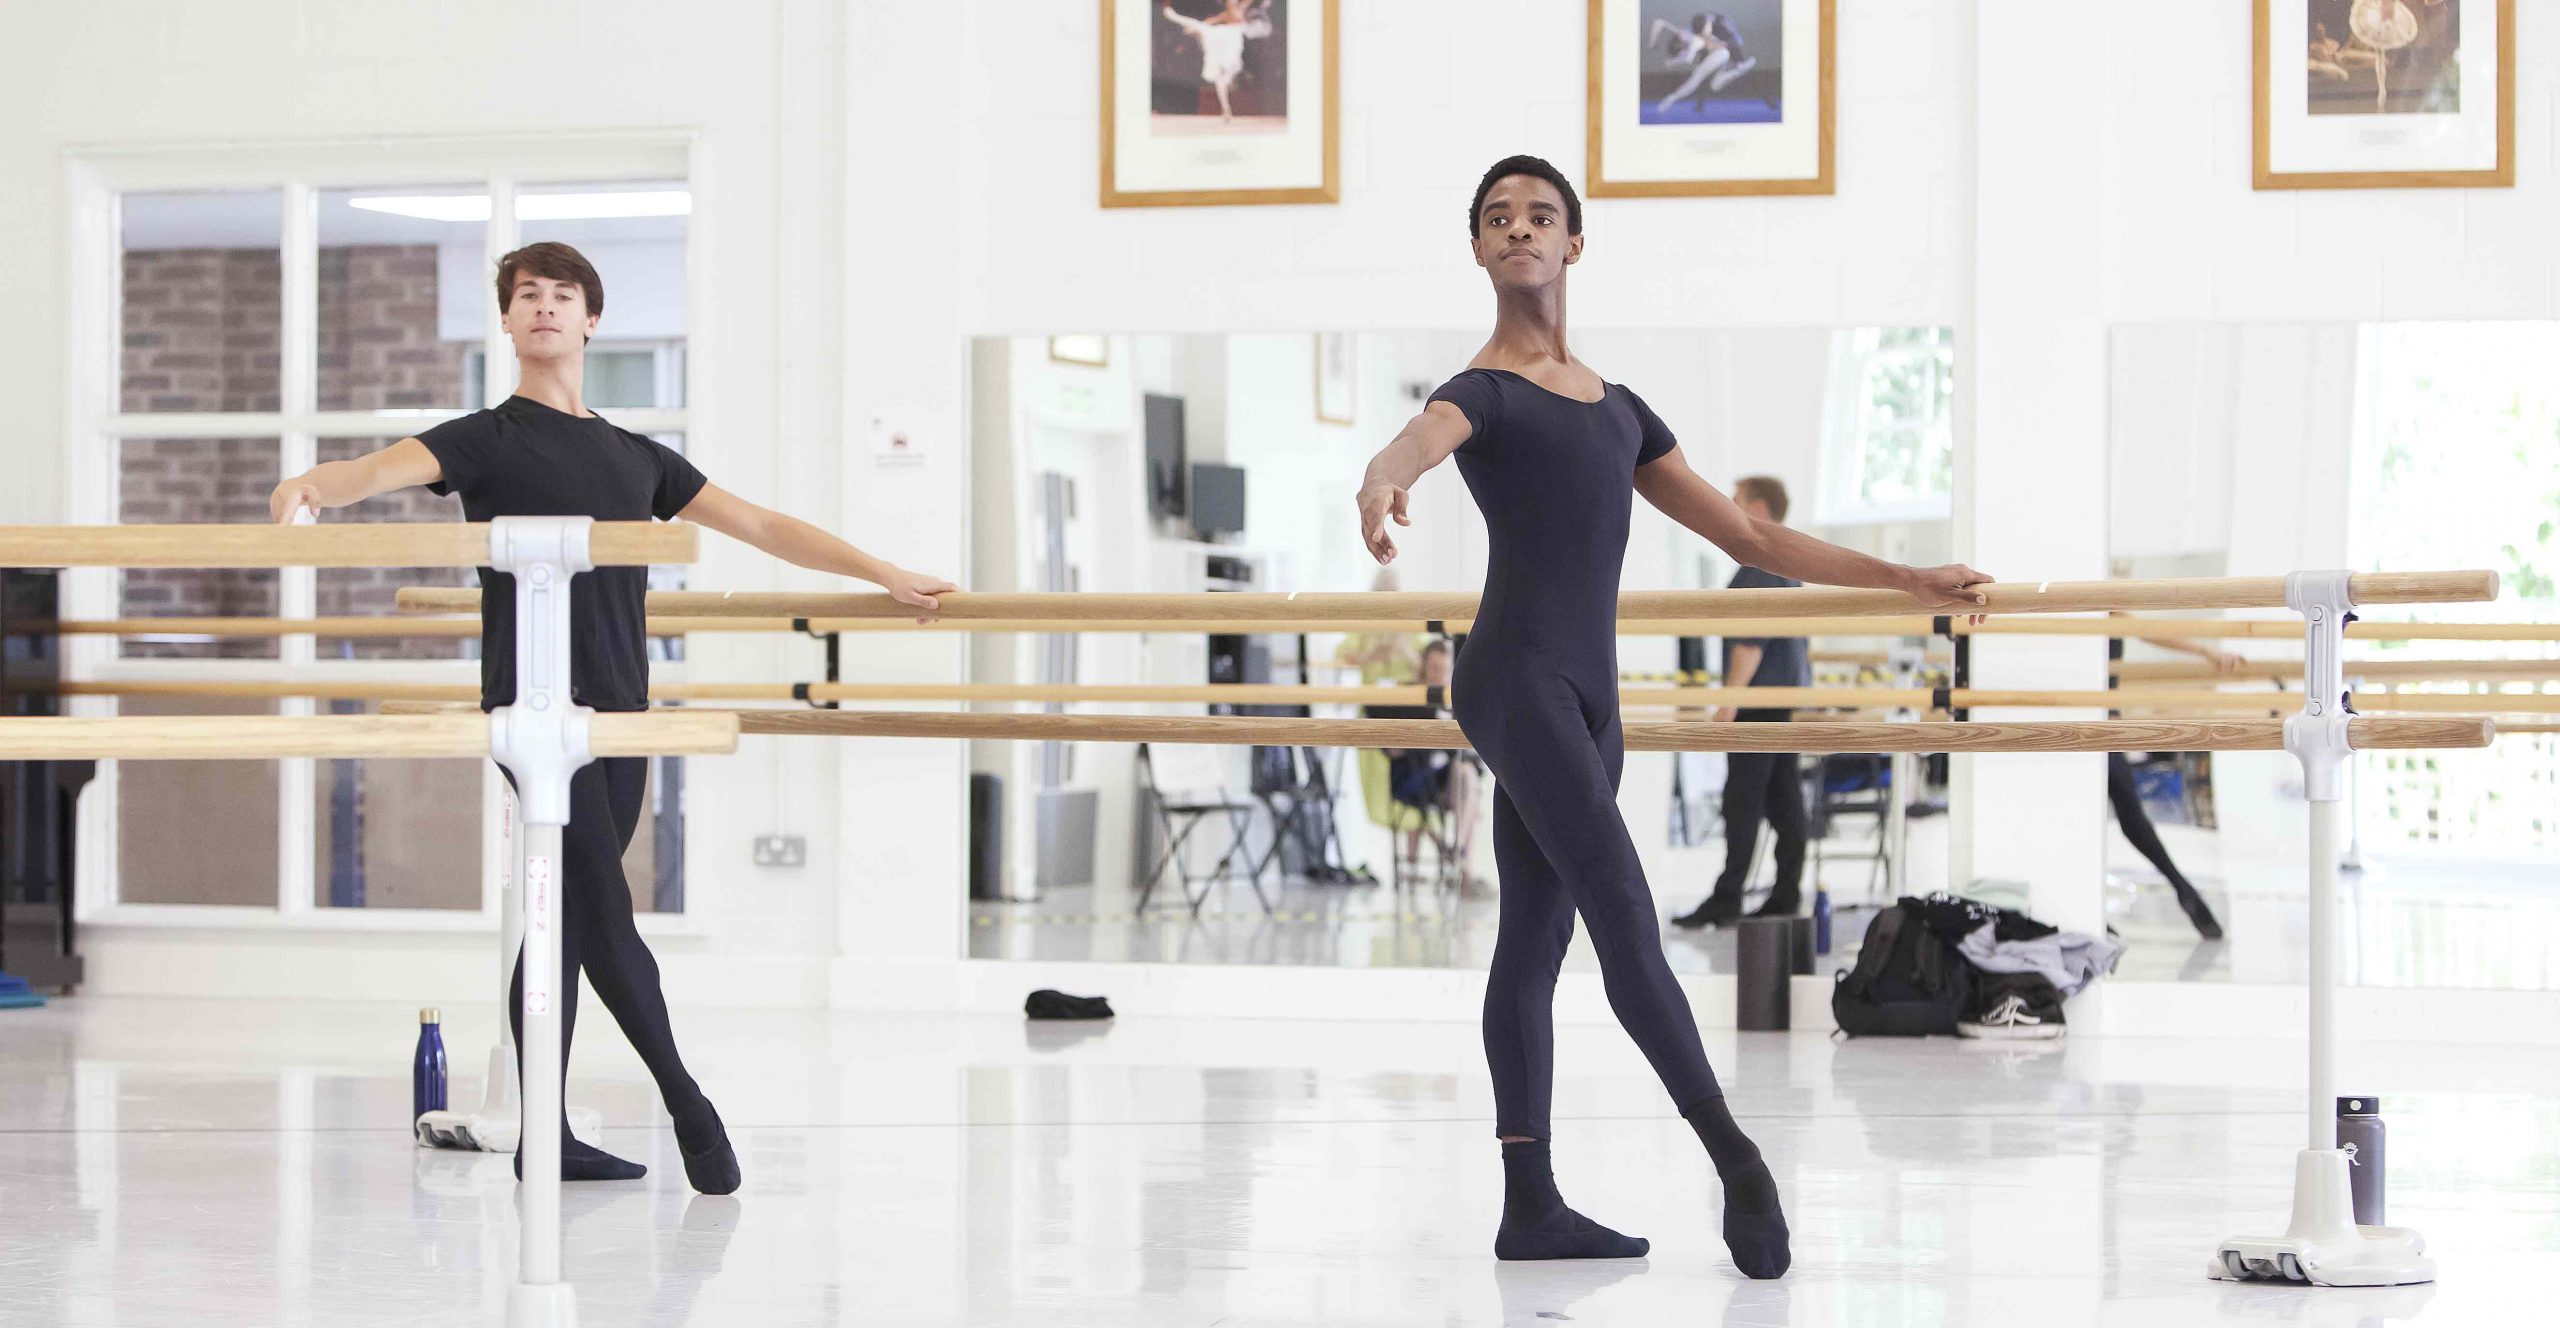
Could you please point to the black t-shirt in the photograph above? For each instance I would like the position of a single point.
(1783, 662)
(522, 458)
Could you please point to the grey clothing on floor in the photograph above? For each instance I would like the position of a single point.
(2066, 959)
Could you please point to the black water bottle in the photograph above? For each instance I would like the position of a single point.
(426, 1070)
(2360, 1138)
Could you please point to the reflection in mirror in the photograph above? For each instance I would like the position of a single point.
(2261, 449)
(1213, 462)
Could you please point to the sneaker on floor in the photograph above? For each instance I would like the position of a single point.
(2013, 1018)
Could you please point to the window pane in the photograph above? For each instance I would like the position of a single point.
(404, 292)
(396, 834)
(654, 864)
(634, 233)
(196, 832)
(202, 301)
(162, 481)
(372, 592)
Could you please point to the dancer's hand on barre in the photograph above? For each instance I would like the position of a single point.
(1939, 587)
(1379, 504)
(916, 588)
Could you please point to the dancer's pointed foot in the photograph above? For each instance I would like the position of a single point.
(1755, 1225)
(710, 1163)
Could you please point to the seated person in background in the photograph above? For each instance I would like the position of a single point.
(1381, 657)
(1442, 781)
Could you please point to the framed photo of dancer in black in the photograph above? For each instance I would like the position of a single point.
(2384, 94)
(1689, 97)
(1210, 102)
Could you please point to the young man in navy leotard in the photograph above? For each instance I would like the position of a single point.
(1553, 456)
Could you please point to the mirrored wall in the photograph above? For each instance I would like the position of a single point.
(1192, 463)
(2243, 449)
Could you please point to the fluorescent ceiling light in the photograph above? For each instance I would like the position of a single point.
(532, 207)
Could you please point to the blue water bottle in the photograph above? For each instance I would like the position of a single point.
(426, 1072)
(1821, 920)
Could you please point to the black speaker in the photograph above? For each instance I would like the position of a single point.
(986, 836)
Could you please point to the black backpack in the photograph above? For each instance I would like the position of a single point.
(1908, 981)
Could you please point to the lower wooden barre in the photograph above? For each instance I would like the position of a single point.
(265, 737)
(1802, 737)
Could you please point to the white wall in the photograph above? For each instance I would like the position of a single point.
(878, 181)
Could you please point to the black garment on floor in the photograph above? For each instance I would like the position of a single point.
(1048, 1004)
(522, 458)
(1956, 918)
(597, 934)
(1537, 696)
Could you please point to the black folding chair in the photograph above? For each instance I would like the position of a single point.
(1178, 815)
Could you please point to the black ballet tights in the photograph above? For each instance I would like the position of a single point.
(599, 937)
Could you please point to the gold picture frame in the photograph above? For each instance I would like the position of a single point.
(2262, 127)
(1600, 184)
(1328, 101)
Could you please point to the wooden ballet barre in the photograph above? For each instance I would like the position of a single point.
(1639, 697)
(2140, 672)
(267, 737)
(1325, 606)
(364, 628)
(1810, 737)
(385, 544)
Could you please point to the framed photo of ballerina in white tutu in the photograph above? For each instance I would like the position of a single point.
(1710, 97)
(1219, 101)
(2384, 94)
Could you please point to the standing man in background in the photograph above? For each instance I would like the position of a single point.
(1759, 785)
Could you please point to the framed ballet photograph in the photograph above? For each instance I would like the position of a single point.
(1209, 102)
(1690, 97)
(2384, 94)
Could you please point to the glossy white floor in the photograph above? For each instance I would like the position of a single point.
(208, 1163)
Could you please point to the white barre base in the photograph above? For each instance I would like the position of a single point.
(493, 1128)
(553, 1306)
(2324, 1246)
(485, 1133)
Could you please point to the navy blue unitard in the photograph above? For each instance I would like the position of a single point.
(1536, 692)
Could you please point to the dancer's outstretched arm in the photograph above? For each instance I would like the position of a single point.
(1425, 441)
(1686, 497)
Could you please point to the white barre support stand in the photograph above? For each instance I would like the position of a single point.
(542, 741)
(492, 1127)
(2323, 1245)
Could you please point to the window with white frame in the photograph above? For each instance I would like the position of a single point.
(1888, 425)
(2457, 464)
(253, 314)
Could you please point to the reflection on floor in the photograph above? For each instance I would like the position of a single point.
(210, 1163)
(2408, 919)
(1377, 927)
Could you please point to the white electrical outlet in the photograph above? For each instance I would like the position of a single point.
(782, 851)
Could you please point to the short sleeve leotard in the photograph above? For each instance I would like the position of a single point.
(1536, 692)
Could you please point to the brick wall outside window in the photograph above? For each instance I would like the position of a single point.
(201, 330)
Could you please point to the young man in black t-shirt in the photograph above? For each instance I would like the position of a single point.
(1760, 786)
(541, 452)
